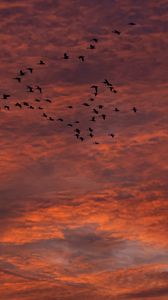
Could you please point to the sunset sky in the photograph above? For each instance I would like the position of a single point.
(80, 220)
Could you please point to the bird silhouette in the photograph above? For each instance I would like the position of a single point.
(111, 134)
(131, 23)
(134, 109)
(26, 103)
(48, 100)
(116, 32)
(18, 105)
(95, 111)
(107, 82)
(96, 143)
(39, 88)
(60, 119)
(6, 107)
(30, 69)
(70, 106)
(94, 40)
(5, 96)
(21, 73)
(103, 116)
(18, 79)
(77, 135)
(93, 119)
(41, 62)
(44, 115)
(91, 99)
(51, 119)
(31, 107)
(66, 56)
(81, 57)
(91, 135)
(40, 107)
(81, 138)
(37, 100)
(77, 130)
(30, 89)
(86, 104)
(91, 46)
(116, 109)
(69, 125)
(100, 106)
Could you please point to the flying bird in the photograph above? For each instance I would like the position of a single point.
(31, 107)
(86, 104)
(60, 119)
(41, 62)
(131, 23)
(94, 40)
(111, 134)
(91, 99)
(6, 107)
(30, 69)
(30, 89)
(81, 57)
(100, 106)
(18, 105)
(48, 100)
(18, 79)
(70, 106)
(40, 107)
(51, 119)
(26, 103)
(22, 73)
(134, 109)
(91, 46)
(104, 116)
(116, 109)
(37, 100)
(116, 32)
(44, 115)
(81, 138)
(66, 56)
(93, 119)
(95, 111)
(5, 96)
(69, 125)
(39, 88)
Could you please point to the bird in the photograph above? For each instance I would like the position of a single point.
(5, 96)
(100, 106)
(93, 119)
(44, 115)
(95, 111)
(116, 32)
(77, 130)
(70, 106)
(111, 88)
(95, 87)
(77, 122)
(21, 73)
(91, 99)
(66, 56)
(111, 134)
(77, 135)
(69, 125)
(31, 107)
(18, 104)
(81, 57)
(131, 23)
(134, 109)
(6, 107)
(86, 104)
(48, 100)
(90, 129)
(91, 46)
(39, 88)
(37, 100)
(60, 119)
(114, 91)
(40, 107)
(30, 69)
(30, 89)
(81, 138)
(51, 119)
(104, 116)
(107, 82)
(41, 62)
(91, 135)
(97, 143)
(116, 109)
(94, 40)
(26, 103)
(18, 79)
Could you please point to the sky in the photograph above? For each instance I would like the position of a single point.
(80, 220)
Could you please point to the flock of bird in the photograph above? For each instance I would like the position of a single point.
(96, 111)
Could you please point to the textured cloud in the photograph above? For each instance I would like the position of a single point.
(79, 220)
